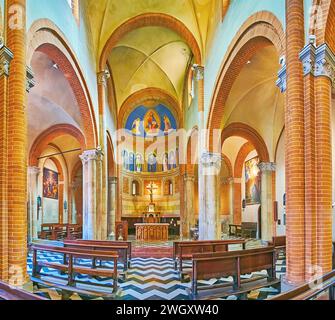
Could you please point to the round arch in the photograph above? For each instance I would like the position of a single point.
(240, 159)
(110, 156)
(261, 30)
(150, 19)
(44, 36)
(192, 151)
(145, 96)
(228, 164)
(46, 137)
(246, 132)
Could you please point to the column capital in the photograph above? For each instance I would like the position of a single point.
(103, 76)
(92, 155)
(199, 72)
(6, 56)
(189, 177)
(318, 61)
(34, 170)
(30, 82)
(282, 76)
(112, 180)
(267, 167)
(211, 160)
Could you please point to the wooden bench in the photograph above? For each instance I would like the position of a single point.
(279, 243)
(312, 289)
(74, 232)
(53, 231)
(71, 268)
(122, 248)
(233, 264)
(183, 251)
(8, 292)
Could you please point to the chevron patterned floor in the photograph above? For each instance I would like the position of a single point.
(148, 279)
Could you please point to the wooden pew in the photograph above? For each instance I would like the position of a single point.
(74, 232)
(183, 251)
(122, 248)
(311, 290)
(8, 292)
(234, 264)
(53, 231)
(71, 268)
(279, 243)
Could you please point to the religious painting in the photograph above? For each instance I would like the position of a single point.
(139, 163)
(131, 162)
(152, 123)
(172, 161)
(155, 121)
(158, 187)
(252, 182)
(152, 163)
(50, 184)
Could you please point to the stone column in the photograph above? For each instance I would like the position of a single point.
(33, 173)
(268, 224)
(103, 179)
(6, 57)
(209, 220)
(189, 204)
(91, 160)
(112, 191)
(17, 144)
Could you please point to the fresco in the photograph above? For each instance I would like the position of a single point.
(151, 122)
(252, 182)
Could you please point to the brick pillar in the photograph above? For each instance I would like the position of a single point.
(268, 223)
(294, 148)
(103, 179)
(91, 160)
(17, 145)
(6, 57)
(189, 219)
(210, 224)
(112, 191)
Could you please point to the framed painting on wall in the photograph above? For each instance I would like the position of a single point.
(252, 182)
(50, 184)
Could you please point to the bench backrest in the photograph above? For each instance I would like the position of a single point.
(190, 247)
(100, 242)
(279, 241)
(249, 226)
(216, 265)
(8, 292)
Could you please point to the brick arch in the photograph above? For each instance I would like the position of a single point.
(228, 164)
(44, 36)
(241, 157)
(190, 160)
(150, 19)
(149, 95)
(261, 30)
(46, 137)
(75, 170)
(246, 132)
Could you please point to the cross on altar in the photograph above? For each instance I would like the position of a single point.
(151, 188)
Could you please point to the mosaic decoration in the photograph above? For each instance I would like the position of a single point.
(252, 182)
(151, 122)
(50, 184)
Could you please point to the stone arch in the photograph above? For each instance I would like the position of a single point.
(150, 19)
(240, 159)
(110, 156)
(44, 139)
(146, 95)
(259, 31)
(45, 37)
(228, 164)
(246, 132)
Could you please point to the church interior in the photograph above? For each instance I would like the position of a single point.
(167, 150)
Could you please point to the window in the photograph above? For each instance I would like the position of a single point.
(135, 188)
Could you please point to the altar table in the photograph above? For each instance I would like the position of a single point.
(152, 231)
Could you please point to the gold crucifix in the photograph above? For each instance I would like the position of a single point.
(151, 188)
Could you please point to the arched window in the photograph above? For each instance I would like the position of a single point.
(135, 187)
(152, 163)
(168, 188)
(131, 162)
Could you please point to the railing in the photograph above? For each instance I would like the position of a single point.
(311, 290)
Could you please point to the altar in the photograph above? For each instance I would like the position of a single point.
(152, 231)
